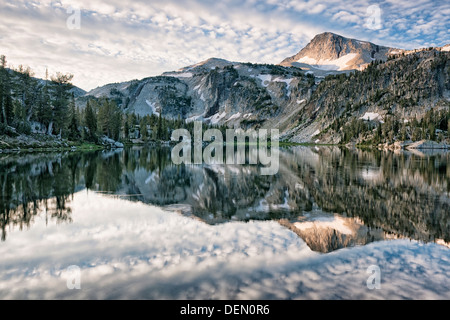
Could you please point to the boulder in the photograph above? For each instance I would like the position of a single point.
(427, 144)
(110, 143)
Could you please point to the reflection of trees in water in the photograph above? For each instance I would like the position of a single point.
(403, 194)
(44, 183)
(407, 195)
(32, 186)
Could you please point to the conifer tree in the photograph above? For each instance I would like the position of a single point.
(90, 121)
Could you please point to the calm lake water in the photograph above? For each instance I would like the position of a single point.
(139, 227)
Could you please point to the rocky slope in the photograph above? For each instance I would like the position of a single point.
(215, 91)
(405, 87)
(304, 106)
(332, 52)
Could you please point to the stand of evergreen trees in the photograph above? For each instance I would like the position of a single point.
(49, 106)
(27, 101)
(433, 126)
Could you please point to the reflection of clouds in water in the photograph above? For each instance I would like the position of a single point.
(131, 250)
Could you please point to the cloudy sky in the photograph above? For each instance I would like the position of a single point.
(119, 40)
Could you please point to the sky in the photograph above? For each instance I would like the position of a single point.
(103, 42)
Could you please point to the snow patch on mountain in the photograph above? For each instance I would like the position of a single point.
(216, 118)
(339, 64)
(265, 79)
(153, 107)
(180, 75)
(234, 116)
(287, 81)
(372, 116)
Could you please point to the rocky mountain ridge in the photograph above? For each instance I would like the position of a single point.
(331, 52)
(300, 103)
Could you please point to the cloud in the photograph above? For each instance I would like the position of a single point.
(346, 17)
(124, 40)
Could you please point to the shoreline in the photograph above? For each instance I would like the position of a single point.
(45, 143)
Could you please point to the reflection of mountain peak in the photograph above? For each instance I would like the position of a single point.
(401, 202)
(326, 233)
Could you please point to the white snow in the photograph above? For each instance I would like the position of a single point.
(308, 60)
(371, 116)
(180, 75)
(234, 116)
(446, 48)
(216, 118)
(202, 98)
(330, 65)
(287, 81)
(301, 101)
(265, 78)
(152, 106)
(247, 115)
(194, 118)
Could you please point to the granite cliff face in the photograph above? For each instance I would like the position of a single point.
(215, 91)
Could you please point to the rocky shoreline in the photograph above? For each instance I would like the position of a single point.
(416, 145)
(43, 142)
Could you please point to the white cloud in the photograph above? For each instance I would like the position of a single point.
(346, 17)
(123, 40)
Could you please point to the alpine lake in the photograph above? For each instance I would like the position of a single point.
(333, 223)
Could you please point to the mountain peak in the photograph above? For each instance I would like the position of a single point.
(332, 52)
(328, 34)
(210, 63)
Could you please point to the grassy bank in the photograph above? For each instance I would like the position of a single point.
(42, 143)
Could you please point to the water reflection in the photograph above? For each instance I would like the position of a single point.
(131, 250)
(332, 198)
(141, 228)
